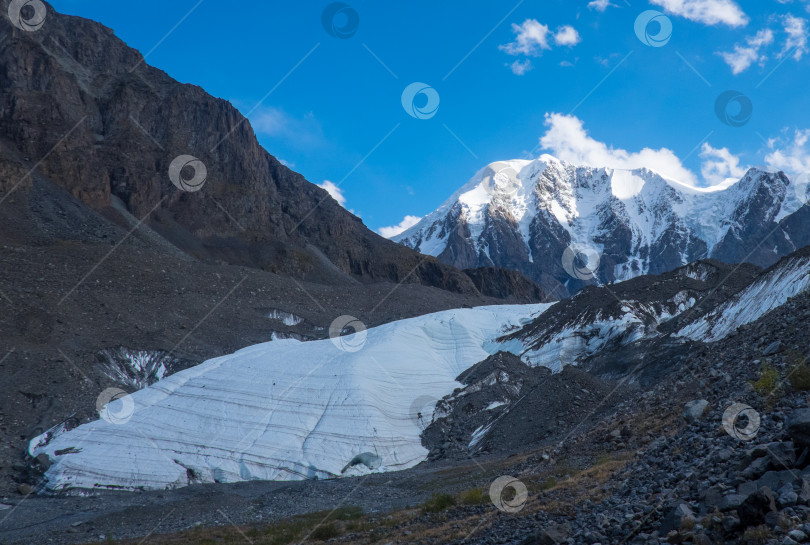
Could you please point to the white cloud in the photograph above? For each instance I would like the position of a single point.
(720, 166)
(406, 223)
(334, 191)
(567, 139)
(531, 38)
(796, 42)
(790, 154)
(753, 50)
(521, 67)
(708, 12)
(567, 36)
(743, 56)
(304, 131)
(600, 5)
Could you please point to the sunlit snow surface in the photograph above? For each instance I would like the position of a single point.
(283, 410)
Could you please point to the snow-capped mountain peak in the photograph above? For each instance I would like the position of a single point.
(524, 214)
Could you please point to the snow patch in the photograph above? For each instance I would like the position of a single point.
(287, 318)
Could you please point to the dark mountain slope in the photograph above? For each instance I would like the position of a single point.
(83, 111)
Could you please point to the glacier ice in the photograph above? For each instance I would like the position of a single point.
(284, 410)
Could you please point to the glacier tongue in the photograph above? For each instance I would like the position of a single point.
(283, 410)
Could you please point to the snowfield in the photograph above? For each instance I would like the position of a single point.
(283, 410)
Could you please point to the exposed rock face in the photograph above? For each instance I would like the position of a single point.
(505, 404)
(82, 111)
(505, 284)
(635, 222)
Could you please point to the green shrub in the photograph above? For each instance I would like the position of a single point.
(472, 497)
(757, 536)
(602, 459)
(548, 484)
(799, 377)
(439, 502)
(768, 381)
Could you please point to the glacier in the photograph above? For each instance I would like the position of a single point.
(282, 410)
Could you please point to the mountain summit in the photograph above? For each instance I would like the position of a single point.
(566, 226)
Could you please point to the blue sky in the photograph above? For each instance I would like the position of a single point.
(570, 78)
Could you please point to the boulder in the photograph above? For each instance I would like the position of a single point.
(730, 501)
(776, 479)
(678, 515)
(798, 426)
(44, 461)
(25, 489)
(756, 507)
(797, 535)
(694, 410)
(782, 454)
(756, 468)
(772, 348)
(786, 496)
